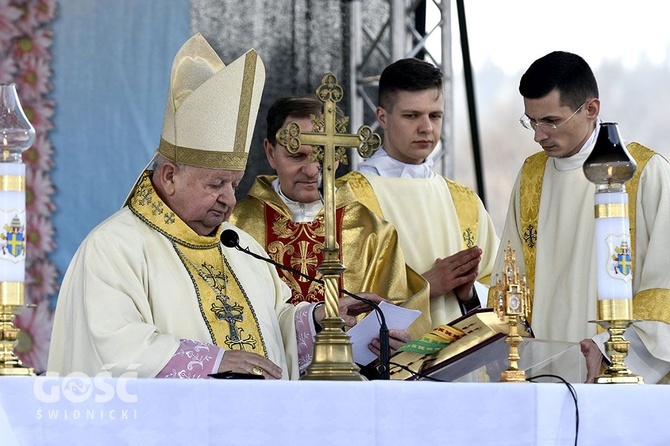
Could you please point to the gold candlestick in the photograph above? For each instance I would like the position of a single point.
(512, 304)
(333, 355)
(616, 315)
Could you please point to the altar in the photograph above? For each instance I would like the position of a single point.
(121, 411)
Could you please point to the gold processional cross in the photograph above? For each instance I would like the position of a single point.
(333, 357)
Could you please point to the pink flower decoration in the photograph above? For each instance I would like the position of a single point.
(35, 325)
(39, 114)
(28, 21)
(39, 156)
(33, 45)
(41, 280)
(38, 192)
(39, 236)
(33, 79)
(9, 14)
(7, 70)
(44, 11)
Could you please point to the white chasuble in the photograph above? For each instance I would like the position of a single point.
(431, 225)
(142, 280)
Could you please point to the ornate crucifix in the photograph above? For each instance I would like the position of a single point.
(333, 357)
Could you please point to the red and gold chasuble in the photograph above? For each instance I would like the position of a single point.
(299, 246)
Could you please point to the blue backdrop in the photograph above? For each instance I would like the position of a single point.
(111, 66)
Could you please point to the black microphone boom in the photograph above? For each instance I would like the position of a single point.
(230, 239)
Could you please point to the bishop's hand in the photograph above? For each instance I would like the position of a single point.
(249, 362)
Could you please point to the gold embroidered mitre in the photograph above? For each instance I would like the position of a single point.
(211, 108)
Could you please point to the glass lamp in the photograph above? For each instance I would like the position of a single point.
(609, 167)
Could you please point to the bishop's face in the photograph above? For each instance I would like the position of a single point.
(203, 198)
(298, 174)
(412, 125)
(573, 127)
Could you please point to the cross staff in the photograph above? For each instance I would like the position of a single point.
(329, 147)
(330, 140)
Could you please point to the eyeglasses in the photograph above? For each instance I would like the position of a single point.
(533, 125)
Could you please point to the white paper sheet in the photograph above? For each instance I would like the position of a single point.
(361, 334)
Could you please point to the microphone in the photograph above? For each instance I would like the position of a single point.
(230, 239)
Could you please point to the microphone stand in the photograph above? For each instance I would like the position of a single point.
(384, 350)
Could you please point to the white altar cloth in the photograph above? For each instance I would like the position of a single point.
(77, 410)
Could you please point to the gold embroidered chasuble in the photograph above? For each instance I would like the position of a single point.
(435, 217)
(368, 248)
(224, 305)
(465, 200)
(649, 304)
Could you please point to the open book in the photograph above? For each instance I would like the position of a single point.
(476, 338)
